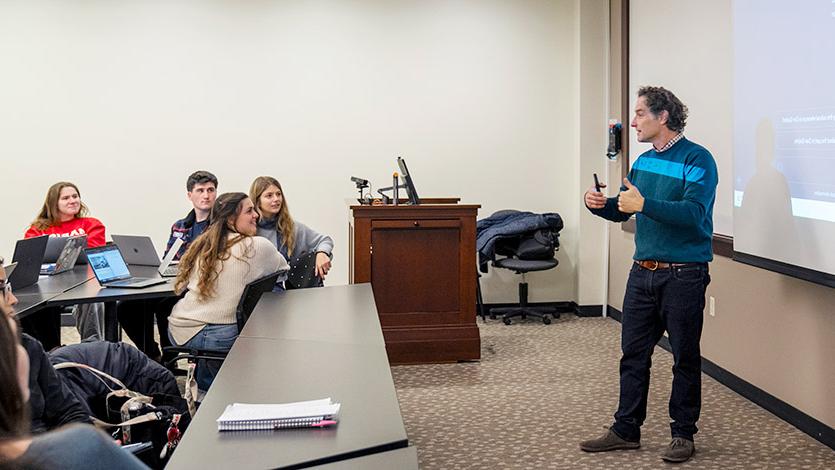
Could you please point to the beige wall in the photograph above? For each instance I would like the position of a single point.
(127, 98)
(591, 129)
(773, 331)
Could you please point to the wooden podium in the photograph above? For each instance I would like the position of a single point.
(421, 263)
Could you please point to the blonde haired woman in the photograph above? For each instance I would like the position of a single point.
(292, 238)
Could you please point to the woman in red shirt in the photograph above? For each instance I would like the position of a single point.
(64, 215)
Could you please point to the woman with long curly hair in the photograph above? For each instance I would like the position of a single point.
(213, 273)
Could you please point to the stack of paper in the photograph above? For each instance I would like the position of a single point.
(302, 414)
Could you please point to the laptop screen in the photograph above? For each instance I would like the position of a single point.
(108, 264)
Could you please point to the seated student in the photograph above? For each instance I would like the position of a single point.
(51, 403)
(213, 273)
(136, 316)
(74, 446)
(63, 215)
(293, 239)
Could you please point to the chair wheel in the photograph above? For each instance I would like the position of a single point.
(507, 321)
(546, 320)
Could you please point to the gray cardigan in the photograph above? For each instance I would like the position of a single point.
(307, 239)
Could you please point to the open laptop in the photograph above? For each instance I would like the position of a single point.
(111, 270)
(169, 267)
(9, 268)
(54, 248)
(137, 250)
(69, 254)
(28, 254)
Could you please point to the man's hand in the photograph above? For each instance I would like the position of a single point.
(323, 264)
(595, 199)
(630, 201)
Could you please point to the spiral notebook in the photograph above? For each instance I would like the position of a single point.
(257, 417)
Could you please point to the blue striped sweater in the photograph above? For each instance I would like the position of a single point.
(679, 187)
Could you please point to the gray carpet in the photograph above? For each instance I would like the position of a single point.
(539, 390)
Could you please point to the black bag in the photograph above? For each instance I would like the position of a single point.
(167, 415)
(134, 418)
(537, 245)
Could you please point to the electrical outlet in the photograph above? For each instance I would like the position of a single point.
(712, 309)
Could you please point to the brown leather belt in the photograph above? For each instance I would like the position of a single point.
(653, 265)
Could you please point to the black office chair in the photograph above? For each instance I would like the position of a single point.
(249, 299)
(302, 273)
(524, 253)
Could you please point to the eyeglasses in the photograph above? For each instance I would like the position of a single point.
(6, 287)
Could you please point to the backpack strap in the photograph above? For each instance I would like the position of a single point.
(155, 416)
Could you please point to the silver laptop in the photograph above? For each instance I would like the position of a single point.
(9, 268)
(69, 254)
(169, 267)
(111, 270)
(137, 250)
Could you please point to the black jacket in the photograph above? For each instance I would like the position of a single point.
(120, 360)
(51, 402)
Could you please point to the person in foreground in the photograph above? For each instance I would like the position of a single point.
(213, 273)
(671, 189)
(73, 447)
(292, 238)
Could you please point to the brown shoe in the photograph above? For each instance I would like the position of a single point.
(678, 450)
(607, 442)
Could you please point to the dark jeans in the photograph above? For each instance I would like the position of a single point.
(666, 299)
(213, 338)
(137, 319)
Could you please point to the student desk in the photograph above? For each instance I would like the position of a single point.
(33, 298)
(302, 345)
(28, 304)
(79, 286)
(92, 292)
(339, 314)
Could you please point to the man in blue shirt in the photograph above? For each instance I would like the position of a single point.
(135, 316)
(201, 188)
(670, 189)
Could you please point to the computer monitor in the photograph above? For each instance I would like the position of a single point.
(407, 180)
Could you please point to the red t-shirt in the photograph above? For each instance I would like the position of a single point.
(89, 226)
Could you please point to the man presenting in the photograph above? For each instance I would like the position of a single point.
(671, 189)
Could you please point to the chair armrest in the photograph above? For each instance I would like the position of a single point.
(193, 354)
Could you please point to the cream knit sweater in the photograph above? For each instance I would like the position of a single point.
(251, 258)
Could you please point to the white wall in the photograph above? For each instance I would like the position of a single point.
(694, 60)
(591, 131)
(127, 98)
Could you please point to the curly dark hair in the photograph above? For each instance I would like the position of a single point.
(661, 99)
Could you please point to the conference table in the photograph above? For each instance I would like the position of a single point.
(32, 298)
(303, 345)
(79, 286)
(297, 345)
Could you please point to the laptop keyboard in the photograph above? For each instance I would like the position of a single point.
(127, 282)
(170, 271)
